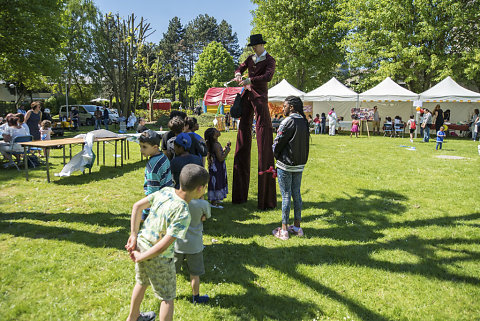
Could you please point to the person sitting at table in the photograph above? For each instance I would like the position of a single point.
(387, 125)
(14, 130)
(388, 121)
(132, 119)
(141, 126)
(21, 122)
(4, 124)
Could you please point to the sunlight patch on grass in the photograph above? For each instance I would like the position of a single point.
(395, 256)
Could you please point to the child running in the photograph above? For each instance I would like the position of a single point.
(440, 136)
(218, 184)
(152, 248)
(412, 126)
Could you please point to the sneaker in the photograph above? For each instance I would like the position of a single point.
(147, 316)
(411, 140)
(280, 234)
(9, 164)
(202, 299)
(298, 233)
(216, 206)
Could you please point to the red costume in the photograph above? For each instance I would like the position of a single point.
(255, 100)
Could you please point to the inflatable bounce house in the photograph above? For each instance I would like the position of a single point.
(222, 97)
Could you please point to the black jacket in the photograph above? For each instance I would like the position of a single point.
(291, 146)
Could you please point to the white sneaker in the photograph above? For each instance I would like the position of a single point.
(411, 140)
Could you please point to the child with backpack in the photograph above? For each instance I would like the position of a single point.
(412, 126)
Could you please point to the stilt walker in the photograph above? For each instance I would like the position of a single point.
(261, 67)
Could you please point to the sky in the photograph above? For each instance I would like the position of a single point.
(159, 12)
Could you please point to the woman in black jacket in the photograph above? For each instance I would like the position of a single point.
(291, 147)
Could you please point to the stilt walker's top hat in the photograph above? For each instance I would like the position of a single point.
(256, 39)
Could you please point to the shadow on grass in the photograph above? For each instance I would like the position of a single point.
(358, 217)
(105, 172)
(98, 173)
(11, 173)
(256, 302)
(21, 228)
(361, 217)
(261, 304)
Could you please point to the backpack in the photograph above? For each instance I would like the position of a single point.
(171, 146)
(198, 147)
(33, 161)
(236, 109)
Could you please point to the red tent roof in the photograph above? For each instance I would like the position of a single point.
(215, 95)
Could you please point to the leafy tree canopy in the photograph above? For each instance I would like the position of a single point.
(419, 42)
(214, 66)
(301, 36)
(31, 35)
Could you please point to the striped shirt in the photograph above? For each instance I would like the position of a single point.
(157, 174)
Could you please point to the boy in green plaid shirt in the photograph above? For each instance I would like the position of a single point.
(152, 247)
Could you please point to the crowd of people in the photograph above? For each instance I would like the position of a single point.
(33, 123)
(173, 211)
(166, 228)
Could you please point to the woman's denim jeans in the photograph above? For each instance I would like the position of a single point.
(426, 133)
(476, 133)
(317, 128)
(98, 123)
(289, 183)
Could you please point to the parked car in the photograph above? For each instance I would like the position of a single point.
(113, 115)
(85, 113)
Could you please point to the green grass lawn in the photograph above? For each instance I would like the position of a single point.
(390, 234)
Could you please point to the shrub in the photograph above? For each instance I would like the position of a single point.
(162, 121)
(176, 104)
(54, 103)
(205, 120)
(157, 113)
(7, 107)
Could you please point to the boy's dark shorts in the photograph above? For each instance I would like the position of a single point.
(194, 263)
(412, 130)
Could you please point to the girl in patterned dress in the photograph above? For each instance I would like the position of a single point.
(217, 184)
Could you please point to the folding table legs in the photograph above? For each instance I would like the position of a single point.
(47, 153)
(25, 160)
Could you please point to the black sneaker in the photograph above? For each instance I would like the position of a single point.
(147, 316)
(200, 299)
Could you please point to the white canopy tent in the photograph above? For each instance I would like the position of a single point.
(333, 94)
(282, 90)
(451, 95)
(99, 100)
(390, 98)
